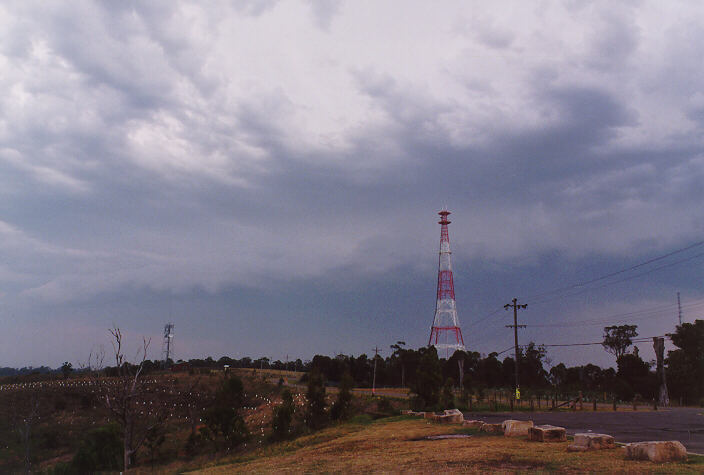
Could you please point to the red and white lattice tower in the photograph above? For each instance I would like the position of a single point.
(445, 334)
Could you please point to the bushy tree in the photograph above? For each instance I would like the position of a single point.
(100, 450)
(223, 419)
(428, 378)
(281, 422)
(685, 365)
(636, 373)
(447, 398)
(316, 416)
(618, 338)
(66, 369)
(531, 368)
(341, 408)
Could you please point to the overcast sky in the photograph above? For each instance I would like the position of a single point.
(266, 174)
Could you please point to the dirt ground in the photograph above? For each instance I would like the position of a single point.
(397, 445)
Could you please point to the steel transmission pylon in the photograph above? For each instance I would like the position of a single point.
(445, 334)
(168, 346)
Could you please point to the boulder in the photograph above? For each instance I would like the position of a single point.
(428, 415)
(514, 428)
(584, 442)
(656, 451)
(547, 433)
(449, 419)
(450, 416)
(473, 424)
(491, 428)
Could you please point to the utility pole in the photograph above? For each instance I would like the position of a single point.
(515, 327)
(376, 354)
(679, 308)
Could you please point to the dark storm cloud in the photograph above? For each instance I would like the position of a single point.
(282, 164)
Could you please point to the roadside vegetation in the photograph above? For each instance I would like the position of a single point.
(145, 415)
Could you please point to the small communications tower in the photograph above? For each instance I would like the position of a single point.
(445, 334)
(167, 346)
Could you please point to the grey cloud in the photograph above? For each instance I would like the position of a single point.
(239, 218)
(324, 11)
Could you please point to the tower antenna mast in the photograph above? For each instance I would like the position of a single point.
(445, 333)
(167, 346)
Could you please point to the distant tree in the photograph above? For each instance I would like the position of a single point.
(316, 416)
(66, 369)
(685, 365)
(618, 338)
(400, 355)
(428, 378)
(558, 376)
(341, 408)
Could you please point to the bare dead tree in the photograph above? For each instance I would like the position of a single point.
(130, 400)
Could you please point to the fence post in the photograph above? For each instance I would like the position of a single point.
(635, 405)
(595, 404)
(581, 406)
(531, 404)
(614, 403)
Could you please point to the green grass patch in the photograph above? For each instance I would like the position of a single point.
(361, 419)
(695, 460)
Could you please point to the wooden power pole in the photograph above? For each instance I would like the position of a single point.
(515, 326)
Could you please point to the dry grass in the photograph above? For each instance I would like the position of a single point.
(389, 446)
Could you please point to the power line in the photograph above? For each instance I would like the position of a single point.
(634, 340)
(621, 280)
(485, 317)
(612, 274)
(502, 352)
(628, 316)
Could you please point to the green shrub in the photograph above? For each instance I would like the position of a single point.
(428, 378)
(447, 398)
(341, 408)
(194, 443)
(384, 405)
(316, 417)
(282, 417)
(100, 450)
(223, 419)
(417, 403)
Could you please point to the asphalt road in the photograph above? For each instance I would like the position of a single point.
(683, 424)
